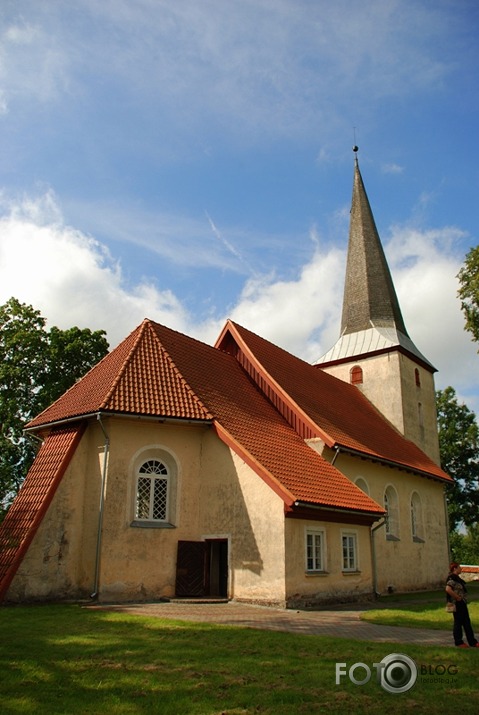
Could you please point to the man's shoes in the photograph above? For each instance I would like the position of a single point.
(464, 645)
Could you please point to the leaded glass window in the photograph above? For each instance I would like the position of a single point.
(152, 491)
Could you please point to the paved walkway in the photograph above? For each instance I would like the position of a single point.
(335, 623)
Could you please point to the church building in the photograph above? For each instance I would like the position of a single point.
(239, 471)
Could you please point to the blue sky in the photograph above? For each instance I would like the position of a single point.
(191, 161)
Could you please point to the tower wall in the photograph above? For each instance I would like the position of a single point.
(406, 398)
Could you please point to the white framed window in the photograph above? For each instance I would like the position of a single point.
(417, 525)
(349, 543)
(152, 491)
(315, 550)
(392, 514)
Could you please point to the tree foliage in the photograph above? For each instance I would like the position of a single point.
(469, 291)
(36, 366)
(465, 547)
(459, 449)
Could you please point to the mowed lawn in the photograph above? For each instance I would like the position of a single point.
(67, 659)
(422, 610)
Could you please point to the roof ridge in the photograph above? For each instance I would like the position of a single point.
(175, 368)
(281, 391)
(126, 362)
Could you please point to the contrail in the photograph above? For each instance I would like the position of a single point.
(228, 245)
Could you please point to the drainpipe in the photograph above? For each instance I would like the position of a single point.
(337, 450)
(373, 557)
(106, 450)
(446, 516)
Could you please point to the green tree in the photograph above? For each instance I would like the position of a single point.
(459, 450)
(465, 547)
(469, 291)
(36, 366)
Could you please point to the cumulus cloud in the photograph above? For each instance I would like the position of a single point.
(74, 280)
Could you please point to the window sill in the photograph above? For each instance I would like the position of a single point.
(391, 537)
(352, 572)
(152, 525)
(418, 540)
(316, 573)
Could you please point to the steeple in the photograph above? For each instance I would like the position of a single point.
(371, 318)
(369, 296)
(374, 351)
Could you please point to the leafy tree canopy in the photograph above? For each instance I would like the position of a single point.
(459, 449)
(36, 367)
(469, 291)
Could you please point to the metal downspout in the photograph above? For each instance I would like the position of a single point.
(446, 515)
(373, 557)
(101, 509)
(337, 450)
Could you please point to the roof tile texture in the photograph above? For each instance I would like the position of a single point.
(24, 516)
(339, 409)
(137, 377)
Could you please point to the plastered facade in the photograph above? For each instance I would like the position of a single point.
(215, 495)
(405, 562)
(390, 383)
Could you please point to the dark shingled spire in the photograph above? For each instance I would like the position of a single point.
(369, 296)
(371, 320)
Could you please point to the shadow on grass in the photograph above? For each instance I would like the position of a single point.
(68, 660)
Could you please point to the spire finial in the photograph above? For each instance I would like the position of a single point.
(355, 149)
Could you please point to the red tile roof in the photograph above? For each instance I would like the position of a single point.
(192, 380)
(137, 377)
(255, 430)
(27, 511)
(341, 414)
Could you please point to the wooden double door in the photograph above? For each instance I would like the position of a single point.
(202, 568)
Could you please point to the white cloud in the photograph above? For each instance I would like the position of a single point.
(73, 280)
(424, 265)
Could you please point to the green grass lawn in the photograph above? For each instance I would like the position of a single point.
(422, 610)
(61, 659)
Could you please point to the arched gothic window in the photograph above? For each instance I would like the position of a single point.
(361, 483)
(417, 526)
(392, 514)
(152, 491)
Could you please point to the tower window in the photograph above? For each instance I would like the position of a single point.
(417, 377)
(356, 375)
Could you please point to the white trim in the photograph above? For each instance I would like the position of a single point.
(315, 531)
(346, 533)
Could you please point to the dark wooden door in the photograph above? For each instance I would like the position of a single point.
(192, 568)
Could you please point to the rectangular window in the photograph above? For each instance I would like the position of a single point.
(315, 551)
(350, 552)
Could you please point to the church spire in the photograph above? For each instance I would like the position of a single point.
(374, 351)
(371, 319)
(369, 296)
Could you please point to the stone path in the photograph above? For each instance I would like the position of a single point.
(335, 623)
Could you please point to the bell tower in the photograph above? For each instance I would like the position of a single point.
(374, 351)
